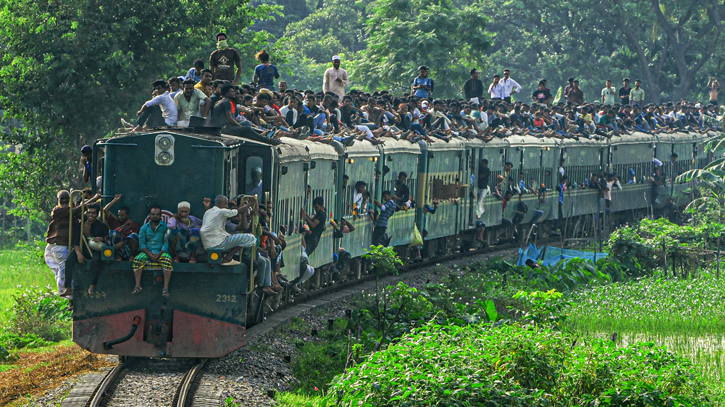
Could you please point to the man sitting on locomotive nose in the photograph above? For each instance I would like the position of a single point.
(123, 232)
(213, 235)
(154, 250)
(94, 233)
(184, 238)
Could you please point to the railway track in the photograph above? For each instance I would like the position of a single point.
(97, 389)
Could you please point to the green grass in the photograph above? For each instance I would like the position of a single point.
(299, 400)
(20, 268)
(685, 316)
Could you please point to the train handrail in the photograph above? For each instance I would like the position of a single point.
(253, 250)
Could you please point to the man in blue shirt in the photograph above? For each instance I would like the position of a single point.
(154, 250)
(387, 210)
(422, 85)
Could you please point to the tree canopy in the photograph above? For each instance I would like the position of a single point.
(72, 68)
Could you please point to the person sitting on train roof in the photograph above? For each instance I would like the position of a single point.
(94, 233)
(190, 102)
(213, 234)
(205, 84)
(194, 72)
(315, 223)
(174, 86)
(123, 233)
(154, 250)
(184, 237)
(387, 209)
(158, 112)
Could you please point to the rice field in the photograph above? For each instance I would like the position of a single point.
(686, 316)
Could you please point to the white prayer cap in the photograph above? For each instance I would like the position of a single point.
(335, 57)
(184, 204)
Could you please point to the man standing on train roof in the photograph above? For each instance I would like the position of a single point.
(335, 78)
(223, 60)
(215, 236)
(473, 88)
(154, 250)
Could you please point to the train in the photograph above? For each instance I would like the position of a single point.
(211, 305)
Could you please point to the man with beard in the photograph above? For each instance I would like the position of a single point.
(93, 233)
(154, 250)
(123, 234)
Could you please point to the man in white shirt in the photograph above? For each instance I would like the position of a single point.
(335, 78)
(213, 234)
(157, 112)
(608, 94)
(496, 89)
(509, 86)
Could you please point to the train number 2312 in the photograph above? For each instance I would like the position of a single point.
(226, 298)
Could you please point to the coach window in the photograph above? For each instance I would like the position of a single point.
(253, 176)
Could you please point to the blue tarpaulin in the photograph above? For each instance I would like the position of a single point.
(549, 256)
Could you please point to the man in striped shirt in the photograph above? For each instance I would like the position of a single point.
(387, 210)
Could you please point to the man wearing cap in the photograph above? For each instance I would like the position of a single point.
(184, 236)
(422, 84)
(473, 88)
(223, 60)
(335, 78)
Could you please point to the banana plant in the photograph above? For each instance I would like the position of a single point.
(711, 186)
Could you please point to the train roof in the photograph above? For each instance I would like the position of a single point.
(454, 143)
(530, 141)
(362, 149)
(224, 139)
(399, 146)
(302, 150)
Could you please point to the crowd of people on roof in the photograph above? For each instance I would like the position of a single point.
(212, 97)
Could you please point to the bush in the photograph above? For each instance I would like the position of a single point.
(516, 366)
(40, 312)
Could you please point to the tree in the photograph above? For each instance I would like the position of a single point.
(711, 184)
(71, 68)
(404, 34)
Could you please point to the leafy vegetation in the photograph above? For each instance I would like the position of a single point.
(640, 248)
(40, 313)
(516, 366)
